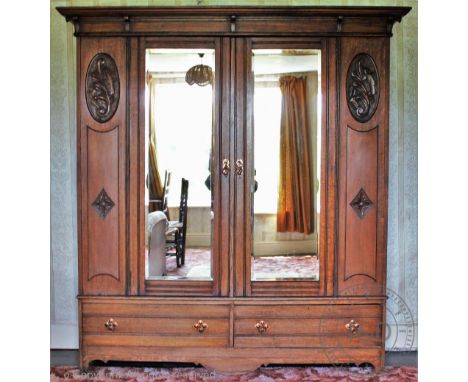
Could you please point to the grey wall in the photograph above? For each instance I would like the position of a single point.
(64, 262)
(402, 230)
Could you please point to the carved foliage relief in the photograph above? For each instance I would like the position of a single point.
(102, 87)
(362, 87)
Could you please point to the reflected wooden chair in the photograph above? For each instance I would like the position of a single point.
(161, 204)
(177, 230)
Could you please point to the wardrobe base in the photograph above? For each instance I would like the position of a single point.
(231, 335)
(229, 360)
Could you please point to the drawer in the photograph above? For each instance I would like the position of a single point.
(158, 325)
(308, 326)
(133, 308)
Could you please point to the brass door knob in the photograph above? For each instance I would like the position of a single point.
(352, 326)
(200, 326)
(226, 167)
(239, 167)
(111, 324)
(261, 326)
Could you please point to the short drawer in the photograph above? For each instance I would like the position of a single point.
(158, 325)
(153, 325)
(308, 326)
(137, 309)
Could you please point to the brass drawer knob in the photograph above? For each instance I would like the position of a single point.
(200, 326)
(111, 324)
(352, 326)
(261, 326)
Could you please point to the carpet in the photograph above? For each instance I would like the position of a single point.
(263, 267)
(263, 374)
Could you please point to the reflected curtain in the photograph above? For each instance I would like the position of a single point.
(155, 186)
(295, 199)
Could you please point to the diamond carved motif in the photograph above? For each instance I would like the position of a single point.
(103, 204)
(361, 203)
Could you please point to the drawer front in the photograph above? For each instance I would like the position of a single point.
(308, 326)
(159, 325)
(156, 325)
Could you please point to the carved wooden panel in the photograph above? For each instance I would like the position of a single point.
(102, 87)
(102, 147)
(360, 251)
(103, 252)
(362, 87)
(363, 166)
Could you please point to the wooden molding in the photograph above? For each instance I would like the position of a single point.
(234, 21)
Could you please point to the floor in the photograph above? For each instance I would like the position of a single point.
(263, 374)
(198, 265)
(71, 358)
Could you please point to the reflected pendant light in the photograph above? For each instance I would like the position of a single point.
(201, 75)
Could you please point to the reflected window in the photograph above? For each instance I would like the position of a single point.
(179, 125)
(286, 161)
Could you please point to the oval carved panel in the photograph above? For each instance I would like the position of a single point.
(362, 87)
(102, 87)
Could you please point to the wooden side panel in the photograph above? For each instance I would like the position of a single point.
(103, 255)
(102, 136)
(363, 158)
(360, 256)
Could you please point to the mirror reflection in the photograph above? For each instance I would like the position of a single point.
(285, 197)
(178, 202)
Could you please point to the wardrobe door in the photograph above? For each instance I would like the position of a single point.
(101, 146)
(278, 170)
(184, 165)
(363, 166)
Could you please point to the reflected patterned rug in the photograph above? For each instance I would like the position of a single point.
(198, 259)
(264, 374)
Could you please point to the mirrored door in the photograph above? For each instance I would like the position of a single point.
(182, 187)
(285, 127)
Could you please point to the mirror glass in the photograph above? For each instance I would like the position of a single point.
(178, 199)
(285, 195)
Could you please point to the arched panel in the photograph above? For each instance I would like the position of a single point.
(103, 218)
(102, 123)
(363, 159)
(361, 194)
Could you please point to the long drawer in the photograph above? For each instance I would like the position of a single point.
(157, 325)
(314, 326)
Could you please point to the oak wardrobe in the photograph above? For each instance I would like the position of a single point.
(232, 183)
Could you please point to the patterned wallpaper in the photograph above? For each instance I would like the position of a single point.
(403, 225)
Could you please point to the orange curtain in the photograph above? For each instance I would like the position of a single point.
(155, 185)
(295, 200)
